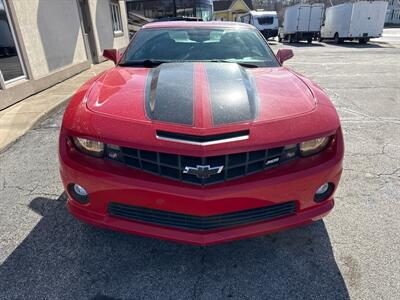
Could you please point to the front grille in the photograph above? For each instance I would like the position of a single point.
(196, 223)
(172, 166)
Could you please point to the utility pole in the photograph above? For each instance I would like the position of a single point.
(175, 13)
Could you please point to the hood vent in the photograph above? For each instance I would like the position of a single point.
(203, 140)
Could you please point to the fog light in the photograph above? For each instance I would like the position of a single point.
(323, 192)
(78, 193)
(322, 189)
(80, 190)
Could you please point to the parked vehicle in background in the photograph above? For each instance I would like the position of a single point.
(265, 21)
(354, 21)
(302, 22)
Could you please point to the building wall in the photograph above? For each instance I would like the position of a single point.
(49, 36)
(236, 9)
(56, 42)
(102, 26)
(221, 16)
(52, 47)
(239, 5)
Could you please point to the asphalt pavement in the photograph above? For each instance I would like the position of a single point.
(353, 253)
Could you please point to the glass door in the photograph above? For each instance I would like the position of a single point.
(11, 66)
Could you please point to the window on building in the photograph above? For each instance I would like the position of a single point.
(155, 9)
(10, 64)
(116, 17)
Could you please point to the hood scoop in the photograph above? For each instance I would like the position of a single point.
(205, 140)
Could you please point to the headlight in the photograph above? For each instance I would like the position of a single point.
(313, 146)
(93, 148)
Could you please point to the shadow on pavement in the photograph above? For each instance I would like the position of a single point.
(64, 258)
(303, 44)
(349, 44)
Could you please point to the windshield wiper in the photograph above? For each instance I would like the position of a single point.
(149, 63)
(243, 64)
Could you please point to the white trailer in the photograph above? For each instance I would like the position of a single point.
(302, 22)
(354, 21)
(265, 21)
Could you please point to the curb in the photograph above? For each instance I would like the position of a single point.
(43, 116)
(28, 113)
(35, 122)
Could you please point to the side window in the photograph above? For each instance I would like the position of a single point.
(116, 17)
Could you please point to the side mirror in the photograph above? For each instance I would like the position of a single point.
(284, 54)
(112, 54)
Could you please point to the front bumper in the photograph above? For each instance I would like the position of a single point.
(200, 239)
(112, 183)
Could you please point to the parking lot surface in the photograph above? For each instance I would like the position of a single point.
(353, 253)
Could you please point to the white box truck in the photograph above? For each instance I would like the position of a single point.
(302, 22)
(354, 21)
(265, 21)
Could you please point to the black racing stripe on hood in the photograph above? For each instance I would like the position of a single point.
(169, 93)
(233, 93)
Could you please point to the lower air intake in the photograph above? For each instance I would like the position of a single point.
(197, 223)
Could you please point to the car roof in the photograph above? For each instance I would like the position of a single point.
(191, 24)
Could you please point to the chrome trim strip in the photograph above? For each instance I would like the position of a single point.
(234, 139)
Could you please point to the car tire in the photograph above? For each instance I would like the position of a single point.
(336, 38)
(309, 40)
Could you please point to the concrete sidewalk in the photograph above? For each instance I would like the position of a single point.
(16, 120)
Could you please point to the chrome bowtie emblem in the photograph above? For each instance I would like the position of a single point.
(203, 172)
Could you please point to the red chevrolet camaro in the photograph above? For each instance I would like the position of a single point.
(200, 135)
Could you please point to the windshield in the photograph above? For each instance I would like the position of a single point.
(244, 46)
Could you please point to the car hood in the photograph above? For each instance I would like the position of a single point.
(200, 95)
